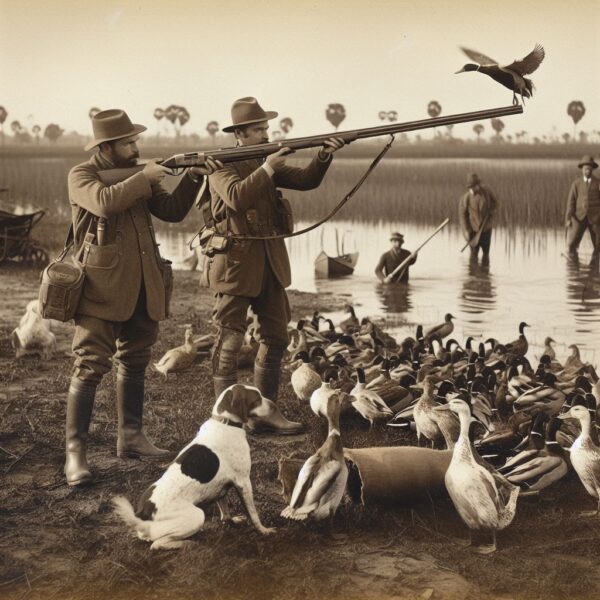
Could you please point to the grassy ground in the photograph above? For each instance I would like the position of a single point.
(59, 542)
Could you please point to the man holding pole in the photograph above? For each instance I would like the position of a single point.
(392, 259)
(476, 213)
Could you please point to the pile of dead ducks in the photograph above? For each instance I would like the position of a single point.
(515, 428)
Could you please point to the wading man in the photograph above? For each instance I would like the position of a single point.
(127, 284)
(253, 273)
(392, 259)
(477, 213)
(583, 208)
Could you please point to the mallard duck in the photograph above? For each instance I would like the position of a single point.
(520, 345)
(483, 498)
(298, 341)
(318, 359)
(33, 335)
(178, 359)
(548, 349)
(544, 398)
(366, 402)
(322, 479)
(351, 324)
(304, 379)
(511, 76)
(585, 455)
(540, 467)
(443, 329)
(330, 334)
(530, 446)
(573, 363)
(320, 397)
(423, 415)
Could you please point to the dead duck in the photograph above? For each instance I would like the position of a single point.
(33, 335)
(304, 379)
(443, 329)
(178, 359)
(485, 500)
(511, 76)
(520, 345)
(366, 402)
(585, 455)
(322, 479)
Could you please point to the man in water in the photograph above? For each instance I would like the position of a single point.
(391, 259)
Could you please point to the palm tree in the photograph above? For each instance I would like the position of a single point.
(36, 130)
(212, 127)
(498, 126)
(576, 110)
(478, 129)
(335, 114)
(286, 124)
(183, 116)
(159, 114)
(16, 128)
(382, 115)
(53, 132)
(171, 114)
(434, 109)
(392, 116)
(3, 115)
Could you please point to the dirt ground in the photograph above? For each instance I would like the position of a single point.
(61, 542)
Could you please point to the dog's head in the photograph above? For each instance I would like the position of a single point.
(240, 402)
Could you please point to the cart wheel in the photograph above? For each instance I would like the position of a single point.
(37, 257)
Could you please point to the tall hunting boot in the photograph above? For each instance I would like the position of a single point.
(267, 369)
(131, 440)
(80, 403)
(225, 359)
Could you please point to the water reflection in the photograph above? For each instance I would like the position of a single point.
(394, 297)
(478, 292)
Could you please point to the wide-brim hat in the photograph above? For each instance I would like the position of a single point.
(396, 236)
(472, 180)
(112, 124)
(246, 111)
(588, 160)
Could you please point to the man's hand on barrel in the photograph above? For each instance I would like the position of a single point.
(333, 144)
(208, 168)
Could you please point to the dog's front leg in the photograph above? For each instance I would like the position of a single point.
(244, 490)
(225, 511)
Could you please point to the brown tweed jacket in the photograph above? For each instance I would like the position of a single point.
(244, 199)
(129, 256)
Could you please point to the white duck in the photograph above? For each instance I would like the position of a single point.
(367, 402)
(483, 498)
(33, 335)
(322, 479)
(585, 455)
(319, 399)
(304, 379)
(178, 359)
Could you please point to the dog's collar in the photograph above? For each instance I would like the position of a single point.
(226, 421)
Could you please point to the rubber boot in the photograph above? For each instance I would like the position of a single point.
(132, 441)
(80, 403)
(266, 379)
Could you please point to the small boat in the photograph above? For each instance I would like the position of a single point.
(335, 266)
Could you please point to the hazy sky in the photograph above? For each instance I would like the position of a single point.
(59, 58)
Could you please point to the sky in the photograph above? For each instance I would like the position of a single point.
(60, 58)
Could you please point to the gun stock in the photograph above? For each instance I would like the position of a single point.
(237, 153)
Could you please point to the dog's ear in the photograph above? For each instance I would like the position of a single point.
(240, 403)
(226, 403)
(254, 400)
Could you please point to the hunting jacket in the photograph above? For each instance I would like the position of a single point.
(584, 200)
(129, 256)
(389, 261)
(245, 201)
(473, 208)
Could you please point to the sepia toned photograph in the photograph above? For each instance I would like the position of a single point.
(299, 300)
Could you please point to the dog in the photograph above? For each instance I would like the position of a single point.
(218, 458)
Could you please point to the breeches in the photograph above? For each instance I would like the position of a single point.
(128, 343)
(577, 229)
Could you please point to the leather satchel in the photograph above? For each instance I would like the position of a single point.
(61, 285)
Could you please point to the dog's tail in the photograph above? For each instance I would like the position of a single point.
(124, 510)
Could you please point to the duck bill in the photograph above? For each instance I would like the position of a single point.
(565, 416)
(457, 72)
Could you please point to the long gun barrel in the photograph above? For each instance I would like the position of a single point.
(237, 153)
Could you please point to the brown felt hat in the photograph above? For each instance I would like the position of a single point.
(472, 180)
(396, 236)
(588, 160)
(246, 111)
(112, 124)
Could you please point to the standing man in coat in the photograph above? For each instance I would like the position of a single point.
(392, 259)
(127, 284)
(477, 212)
(583, 208)
(253, 273)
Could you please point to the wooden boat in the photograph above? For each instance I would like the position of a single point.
(335, 266)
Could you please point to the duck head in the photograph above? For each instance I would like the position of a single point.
(448, 318)
(303, 356)
(468, 67)
(578, 412)
(522, 326)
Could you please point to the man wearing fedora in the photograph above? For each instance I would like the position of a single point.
(391, 259)
(477, 213)
(253, 273)
(127, 284)
(583, 208)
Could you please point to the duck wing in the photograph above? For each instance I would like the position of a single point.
(479, 58)
(530, 63)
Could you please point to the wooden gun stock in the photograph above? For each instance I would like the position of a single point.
(237, 153)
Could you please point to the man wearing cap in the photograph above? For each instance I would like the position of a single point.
(392, 259)
(476, 213)
(583, 207)
(253, 273)
(127, 284)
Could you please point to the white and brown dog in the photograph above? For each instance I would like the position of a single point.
(218, 458)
